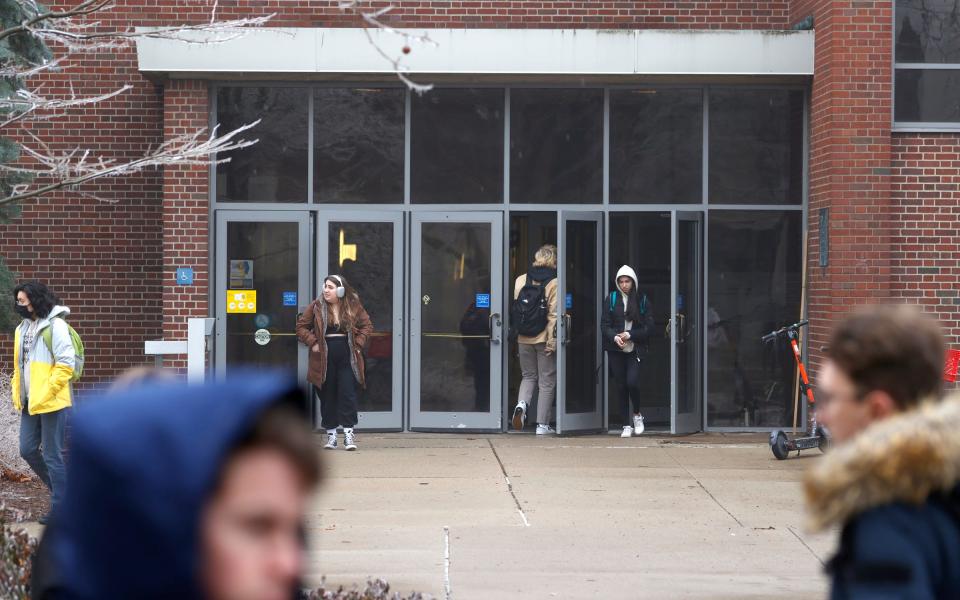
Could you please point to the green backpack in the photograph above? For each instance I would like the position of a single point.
(47, 335)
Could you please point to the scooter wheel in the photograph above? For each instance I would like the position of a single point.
(824, 442)
(778, 444)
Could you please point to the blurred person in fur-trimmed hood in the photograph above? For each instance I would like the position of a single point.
(891, 481)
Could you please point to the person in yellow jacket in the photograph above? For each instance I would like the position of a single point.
(41, 383)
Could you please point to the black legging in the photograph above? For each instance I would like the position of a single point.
(338, 396)
(626, 377)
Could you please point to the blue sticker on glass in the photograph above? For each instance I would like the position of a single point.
(569, 302)
(483, 301)
(262, 321)
(184, 276)
(680, 302)
(289, 298)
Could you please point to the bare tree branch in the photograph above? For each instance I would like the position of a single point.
(75, 167)
(25, 104)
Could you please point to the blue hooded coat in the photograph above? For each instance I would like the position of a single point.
(141, 466)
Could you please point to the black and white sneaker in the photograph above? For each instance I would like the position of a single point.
(331, 442)
(520, 416)
(349, 440)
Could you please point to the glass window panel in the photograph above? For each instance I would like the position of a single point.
(927, 96)
(754, 287)
(275, 168)
(928, 31)
(556, 146)
(456, 146)
(756, 146)
(358, 145)
(270, 255)
(581, 307)
(454, 332)
(363, 254)
(656, 146)
(642, 240)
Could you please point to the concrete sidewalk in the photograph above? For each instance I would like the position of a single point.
(586, 517)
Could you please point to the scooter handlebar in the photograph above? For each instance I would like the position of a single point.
(782, 331)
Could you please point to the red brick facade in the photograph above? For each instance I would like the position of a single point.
(893, 198)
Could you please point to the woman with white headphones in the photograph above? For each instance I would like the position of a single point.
(335, 327)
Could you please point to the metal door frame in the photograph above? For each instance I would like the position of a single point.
(695, 421)
(223, 219)
(391, 420)
(445, 421)
(579, 422)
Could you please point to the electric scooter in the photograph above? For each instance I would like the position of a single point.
(815, 436)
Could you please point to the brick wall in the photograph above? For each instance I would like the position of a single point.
(926, 243)
(849, 159)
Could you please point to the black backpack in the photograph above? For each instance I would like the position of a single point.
(529, 311)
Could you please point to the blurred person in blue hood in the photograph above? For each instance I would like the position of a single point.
(184, 492)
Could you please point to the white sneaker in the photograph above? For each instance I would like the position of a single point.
(349, 440)
(520, 416)
(627, 431)
(331, 442)
(637, 424)
(545, 429)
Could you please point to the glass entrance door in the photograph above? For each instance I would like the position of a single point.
(579, 392)
(366, 249)
(686, 330)
(262, 282)
(456, 323)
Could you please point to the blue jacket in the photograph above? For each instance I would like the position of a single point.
(141, 466)
(894, 490)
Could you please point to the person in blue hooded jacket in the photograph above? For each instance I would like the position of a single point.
(184, 492)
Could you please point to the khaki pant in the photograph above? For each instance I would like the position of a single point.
(538, 370)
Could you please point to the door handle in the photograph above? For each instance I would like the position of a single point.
(495, 328)
(567, 328)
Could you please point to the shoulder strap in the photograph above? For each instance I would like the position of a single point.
(47, 336)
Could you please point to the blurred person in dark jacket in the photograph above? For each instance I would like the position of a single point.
(891, 481)
(184, 492)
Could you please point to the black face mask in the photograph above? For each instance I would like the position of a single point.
(23, 311)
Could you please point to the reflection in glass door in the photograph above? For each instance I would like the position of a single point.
(456, 325)
(687, 325)
(262, 283)
(366, 249)
(579, 393)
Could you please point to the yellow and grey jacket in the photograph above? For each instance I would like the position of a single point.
(49, 373)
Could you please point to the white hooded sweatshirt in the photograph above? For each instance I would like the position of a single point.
(627, 271)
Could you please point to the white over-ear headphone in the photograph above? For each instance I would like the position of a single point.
(341, 291)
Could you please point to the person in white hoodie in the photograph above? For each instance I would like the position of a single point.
(626, 324)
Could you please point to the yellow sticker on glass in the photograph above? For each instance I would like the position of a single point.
(241, 301)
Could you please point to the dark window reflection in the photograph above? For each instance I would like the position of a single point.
(275, 168)
(928, 31)
(358, 145)
(756, 146)
(754, 286)
(363, 254)
(456, 146)
(454, 331)
(927, 96)
(656, 146)
(582, 375)
(556, 146)
(270, 252)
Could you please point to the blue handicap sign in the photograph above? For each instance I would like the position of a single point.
(483, 301)
(569, 300)
(184, 276)
(289, 298)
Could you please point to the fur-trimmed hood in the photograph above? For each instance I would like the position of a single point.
(901, 459)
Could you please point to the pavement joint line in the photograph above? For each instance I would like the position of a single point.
(506, 477)
(446, 562)
(805, 545)
(702, 487)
